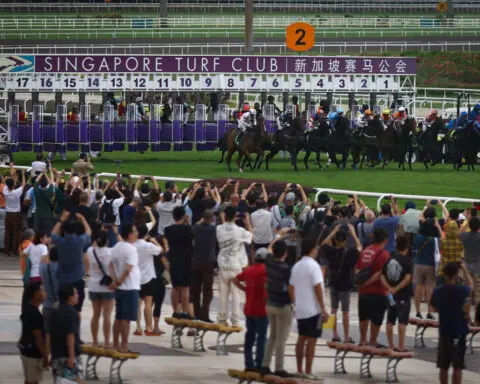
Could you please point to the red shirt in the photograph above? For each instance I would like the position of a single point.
(377, 256)
(255, 278)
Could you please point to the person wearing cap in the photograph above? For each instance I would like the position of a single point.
(409, 220)
(364, 118)
(386, 118)
(203, 265)
(252, 280)
(401, 114)
(83, 166)
(388, 221)
(289, 197)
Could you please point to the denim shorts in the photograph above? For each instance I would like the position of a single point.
(126, 303)
(101, 295)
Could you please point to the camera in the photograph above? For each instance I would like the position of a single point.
(434, 202)
(147, 178)
(125, 175)
(233, 182)
(258, 185)
(293, 186)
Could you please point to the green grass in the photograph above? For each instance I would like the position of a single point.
(441, 180)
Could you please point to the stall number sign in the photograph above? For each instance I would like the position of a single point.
(300, 37)
(198, 82)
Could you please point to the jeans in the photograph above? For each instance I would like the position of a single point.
(280, 319)
(202, 289)
(256, 334)
(227, 288)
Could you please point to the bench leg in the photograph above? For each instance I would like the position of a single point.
(177, 337)
(365, 366)
(339, 365)
(115, 374)
(392, 370)
(222, 344)
(198, 340)
(91, 368)
(419, 340)
(470, 342)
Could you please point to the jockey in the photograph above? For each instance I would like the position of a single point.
(475, 113)
(244, 120)
(362, 120)
(386, 118)
(334, 116)
(401, 114)
(295, 103)
(284, 120)
(459, 123)
(319, 115)
(271, 100)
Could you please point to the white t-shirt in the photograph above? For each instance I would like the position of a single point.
(35, 254)
(104, 256)
(262, 226)
(116, 204)
(146, 252)
(306, 274)
(232, 239)
(12, 199)
(124, 253)
(38, 166)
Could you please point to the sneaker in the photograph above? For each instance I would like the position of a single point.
(186, 316)
(430, 316)
(224, 323)
(310, 377)
(177, 315)
(283, 374)
(419, 316)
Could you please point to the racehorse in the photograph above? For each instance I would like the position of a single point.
(366, 143)
(466, 145)
(405, 141)
(340, 141)
(251, 142)
(428, 143)
(317, 141)
(290, 140)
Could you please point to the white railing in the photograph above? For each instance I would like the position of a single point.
(350, 47)
(382, 196)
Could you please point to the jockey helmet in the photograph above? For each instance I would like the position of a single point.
(464, 114)
(339, 111)
(270, 99)
(295, 99)
(386, 112)
(477, 107)
(368, 112)
(401, 109)
(319, 110)
(365, 107)
(256, 105)
(246, 107)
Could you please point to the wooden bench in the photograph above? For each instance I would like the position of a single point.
(422, 325)
(118, 359)
(368, 353)
(250, 377)
(201, 329)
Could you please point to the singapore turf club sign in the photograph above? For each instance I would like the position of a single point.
(210, 64)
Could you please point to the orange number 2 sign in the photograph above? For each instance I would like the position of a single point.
(300, 37)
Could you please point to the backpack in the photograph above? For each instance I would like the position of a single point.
(313, 224)
(107, 216)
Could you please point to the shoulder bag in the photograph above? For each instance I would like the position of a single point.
(106, 280)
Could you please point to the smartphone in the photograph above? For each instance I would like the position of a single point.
(434, 202)
(350, 196)
(293, 186)
(125, 175)
(233, 182)
(258, 185)
(147, 178)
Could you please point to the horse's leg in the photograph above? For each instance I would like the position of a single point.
(270, 156)
(305, 159)
(239, 157)
(221, 158)
(228, 160)
(294, 154)
(249, 159)
(362, 160)
(319, 162)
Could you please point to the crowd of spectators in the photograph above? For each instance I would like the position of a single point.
(134, 239)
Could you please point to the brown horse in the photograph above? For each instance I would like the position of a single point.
(251, 142)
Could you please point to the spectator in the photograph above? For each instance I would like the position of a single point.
(13, 217)
(28, 236)
(365, 228)
(307, 292)
(112, 201)
(289, 197)
(288, 223)
(424, 272)
(261, 221)
(147, 249)
(279, 307)
(65, 336)
(44, 192)
(103, 298)
(39, 165)
(452, 304)
(34, 254)
(203, 265)
(71, 248)
(372, 302)
(232, 258)
(252, 281)
(165, 208)
(272, 204)
(83, 166)
(397, 279)
(451, 248)
(179, 237)
(409, 220)
(201, 198)
(161, 265)
(349, 216)
(142, 189)
(129, 211)
(340, 261)
(471, 245)
(389, 222)
(85, 210)
(48, 272)
(33, 352)
(126, 276)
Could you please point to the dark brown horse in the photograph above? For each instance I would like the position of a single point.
(396, 142)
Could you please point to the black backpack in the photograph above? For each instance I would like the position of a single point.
(313, 224)
(106, 213)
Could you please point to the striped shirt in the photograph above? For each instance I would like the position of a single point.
(278, 276)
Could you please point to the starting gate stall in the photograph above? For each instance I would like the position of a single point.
(314, 76)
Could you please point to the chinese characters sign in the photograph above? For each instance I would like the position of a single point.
(210, 64)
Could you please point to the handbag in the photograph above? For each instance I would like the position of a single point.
(106, 280)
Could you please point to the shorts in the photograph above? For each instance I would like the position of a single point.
(126, 305)
(400, 311)
(180, 276)
(424, 275)
(451, 352)
(60, 369)
(80, 285)
(32, 369)
(372, 307)
(342, 297)
(148, 289)
(310, 327)
(94, 296)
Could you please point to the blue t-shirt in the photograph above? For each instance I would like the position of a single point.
(425, 247)
(70, 257)
(449, 301)
(128, 215)
(50, 282)
(389, 224)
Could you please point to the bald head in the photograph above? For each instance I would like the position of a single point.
(234, 199)
(369, 216)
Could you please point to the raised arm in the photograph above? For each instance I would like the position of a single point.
(264, 193)
(284, 193)
(303, 194)
(155, 184)
(84, 222)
